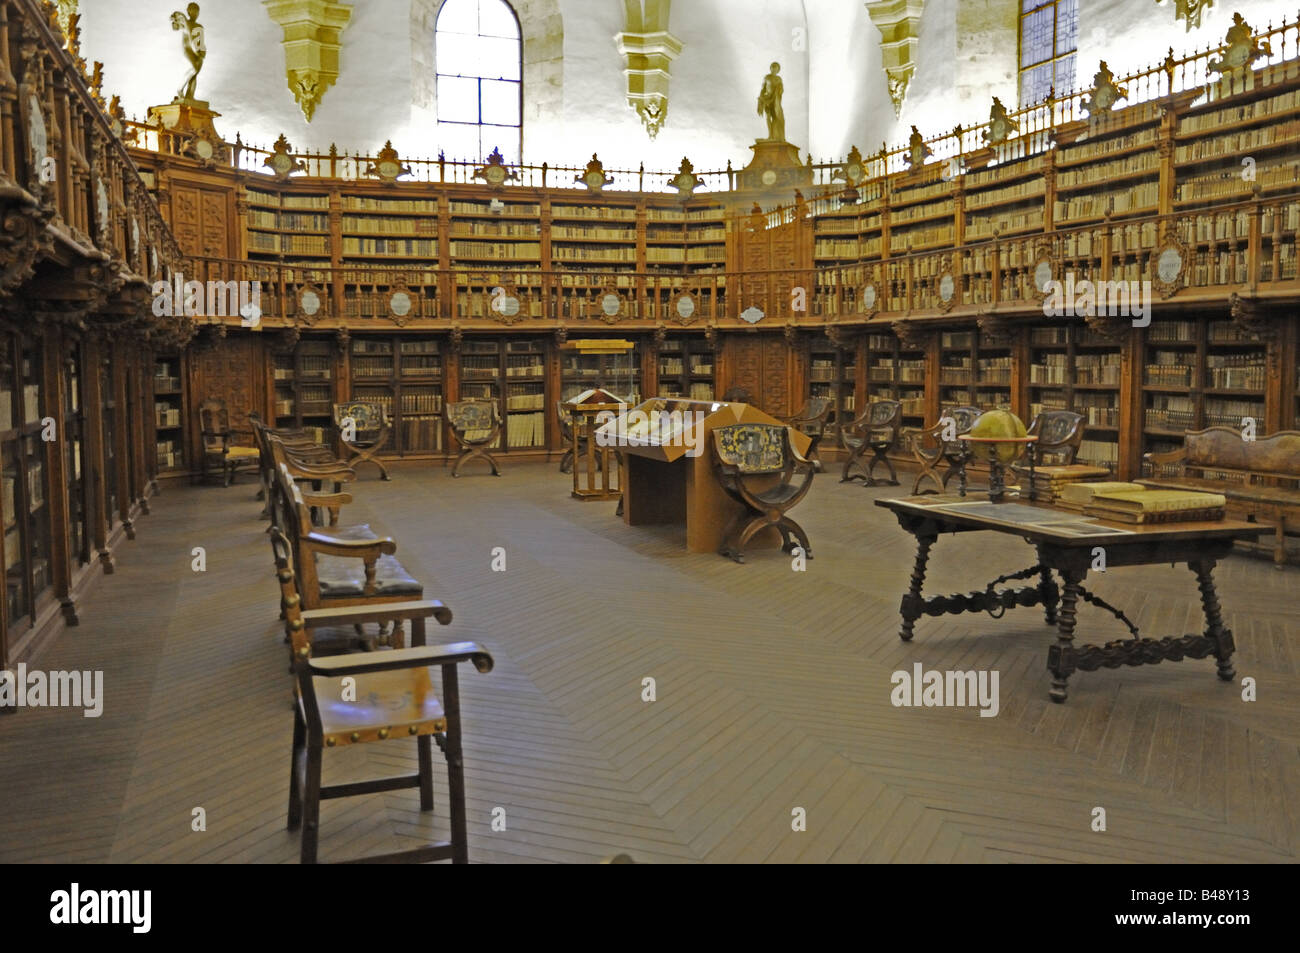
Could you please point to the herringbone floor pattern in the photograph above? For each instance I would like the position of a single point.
(773, 693)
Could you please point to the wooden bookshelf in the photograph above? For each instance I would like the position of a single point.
(169, 413)
(1072, 367)
(686, 368)
(833, 373)
(304, 387)
(511, 371)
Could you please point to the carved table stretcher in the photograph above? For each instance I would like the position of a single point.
(1066, 544)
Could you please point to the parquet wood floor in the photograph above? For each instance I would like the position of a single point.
(773, 693)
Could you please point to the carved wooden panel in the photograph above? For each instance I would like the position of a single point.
(232, 370)
(760, 363)
(199, 221)
(186, 219)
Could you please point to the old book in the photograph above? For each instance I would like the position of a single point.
(1158, 501)
(1081, 493)
(1206, 514)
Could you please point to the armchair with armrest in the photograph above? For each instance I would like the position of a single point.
(950, 453)
(876, 430)
(218, 439)
(359, 699)
(746, 458)
(811, 421)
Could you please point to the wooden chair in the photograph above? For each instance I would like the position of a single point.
(876, 430)
(218, 441)
(358, 699)
(338, 566)
(811, 421)
(301, 444)
(1059, 433)
(475, 424)
(746, 454)
(313, 470)
(954, 453)
(370, 433)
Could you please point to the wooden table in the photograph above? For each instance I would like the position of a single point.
(1069, 543)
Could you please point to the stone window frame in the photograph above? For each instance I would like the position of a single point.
(541, 32)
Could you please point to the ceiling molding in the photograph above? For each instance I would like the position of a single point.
(899, 24)
(648, 50)
(312, 30)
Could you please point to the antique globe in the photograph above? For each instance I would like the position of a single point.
(997, 435)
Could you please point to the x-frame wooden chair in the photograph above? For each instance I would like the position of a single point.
(876, 429)
(475, 423)
(344, 700)
(749, 453)
(370, 432)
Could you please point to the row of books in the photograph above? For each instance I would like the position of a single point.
(167, 416)
(1118, 201)
(525, 365)
(505, 250)
(416, 247)
(834, 225)
(1016, 192)
(1102, 172)
(1221, 412)
(421, 402)
(614, 254)
(366, 203)
(592, 231)
(497, 229)
(388, 225)
(304, 201)
(169, 455)
(983, 226)
(1242, 141)
(1135, 503)
(911, 213)
(1231, 182)
(1217, 118)
(482, 208)
(422, 365)
(1163, 374)
(421, 434)
(368, 366)
(1170, 412)
(1100, 147)
(526, 430)
(1104, 452)
(525, 401)
(593, 211)
(479, 366)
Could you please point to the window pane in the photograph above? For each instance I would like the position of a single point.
(505, 138)
(1067, 26)
(495, 19)
(500, 103)
(457, 99)
(1027, 5)
(1065, 74)
(1036, 37)
(458, 16)
(498, 59)
(1035, 83)
(458, 55)
(458, 141)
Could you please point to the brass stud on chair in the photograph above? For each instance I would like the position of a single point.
(383, 733)
(413, 729)
(330, 742)
(355, 736)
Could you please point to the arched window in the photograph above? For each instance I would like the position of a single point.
(480, 93)
(1048, 46)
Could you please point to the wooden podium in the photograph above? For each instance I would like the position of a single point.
(593, 465)
(668, 476)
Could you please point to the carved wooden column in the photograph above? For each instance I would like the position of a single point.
(97, 517)
(55, 408)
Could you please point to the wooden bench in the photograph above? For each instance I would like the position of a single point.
(1260, 478)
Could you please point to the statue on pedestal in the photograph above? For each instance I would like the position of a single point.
(769, 104)
(195, 48)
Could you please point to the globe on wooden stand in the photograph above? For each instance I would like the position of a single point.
(998, 438)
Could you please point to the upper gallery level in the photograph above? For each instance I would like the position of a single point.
(83, 239)
(1183, 175)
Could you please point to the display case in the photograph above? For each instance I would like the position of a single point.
(612, 365)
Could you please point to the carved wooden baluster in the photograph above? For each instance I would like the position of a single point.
(911, 608)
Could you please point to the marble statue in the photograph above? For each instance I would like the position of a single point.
(769, 104)
(195, 48)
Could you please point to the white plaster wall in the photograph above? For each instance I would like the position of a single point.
(835, 92)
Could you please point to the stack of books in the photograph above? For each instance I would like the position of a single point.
(1049, 481)
(1132, 503)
